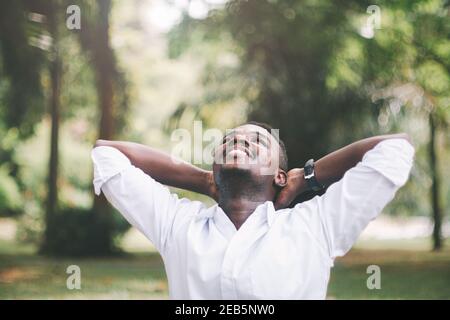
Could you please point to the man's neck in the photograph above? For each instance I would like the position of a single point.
(238, 209)
(240, 194)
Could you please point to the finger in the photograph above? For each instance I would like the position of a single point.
(281, 202)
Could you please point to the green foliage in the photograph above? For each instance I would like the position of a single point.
(102, 58)
(22, 98)
(27, 46)
(304, 67)
(297, 68)
(10, 198)
(78, 232)
(22, 104)
(300, 65)
(31, 224)
(75, 181)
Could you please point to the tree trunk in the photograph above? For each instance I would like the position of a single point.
(104, 65)
(55, 79)
(105, 70)
(94, 37)
(435, 187)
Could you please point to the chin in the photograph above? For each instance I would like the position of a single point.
(236, 170)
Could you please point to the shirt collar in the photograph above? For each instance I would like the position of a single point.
(265, 211)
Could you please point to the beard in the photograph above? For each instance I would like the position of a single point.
(232, 182)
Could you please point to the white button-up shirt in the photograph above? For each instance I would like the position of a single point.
(283, 254)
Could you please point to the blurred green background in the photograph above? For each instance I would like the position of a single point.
(325, 73)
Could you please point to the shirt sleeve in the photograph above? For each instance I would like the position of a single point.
(347, 207)
(145, 203)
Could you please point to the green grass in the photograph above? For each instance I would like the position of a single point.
(405, 274)
(29, 276)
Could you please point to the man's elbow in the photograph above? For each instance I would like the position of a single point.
(405, 136)
(100, 143)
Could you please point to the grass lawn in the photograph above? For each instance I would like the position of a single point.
(405, 274)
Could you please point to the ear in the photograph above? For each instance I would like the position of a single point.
(280, 178)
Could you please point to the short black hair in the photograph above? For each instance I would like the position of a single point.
(283, 154)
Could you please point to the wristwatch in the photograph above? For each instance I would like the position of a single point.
(310, 176)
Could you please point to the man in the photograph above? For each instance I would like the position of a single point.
(249, 245)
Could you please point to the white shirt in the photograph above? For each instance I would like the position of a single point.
(284, 254)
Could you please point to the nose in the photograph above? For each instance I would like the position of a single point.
(241, 139)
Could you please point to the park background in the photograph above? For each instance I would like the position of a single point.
(325, 72)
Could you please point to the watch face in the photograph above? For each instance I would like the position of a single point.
(309, 168)
(310, 178)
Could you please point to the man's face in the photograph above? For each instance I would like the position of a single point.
(249, 148)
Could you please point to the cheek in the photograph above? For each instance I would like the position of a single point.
(269, 156)
(264, 156)
(217, 151)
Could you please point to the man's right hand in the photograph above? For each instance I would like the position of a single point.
(295, 186)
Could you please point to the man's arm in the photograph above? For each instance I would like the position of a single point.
(330, 168)
(144, 202)
(164, 168)
(377, 168)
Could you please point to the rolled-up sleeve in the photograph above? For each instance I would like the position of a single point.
(350, 204)
(145, 203)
